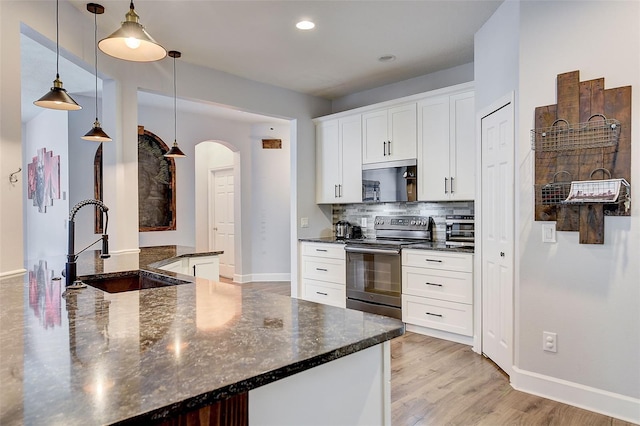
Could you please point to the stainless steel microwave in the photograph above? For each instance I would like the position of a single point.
(390, 182)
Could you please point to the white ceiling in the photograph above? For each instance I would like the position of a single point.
(258, 39)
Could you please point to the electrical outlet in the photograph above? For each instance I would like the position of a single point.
(549, 341)
(304, 222)
(363, 222)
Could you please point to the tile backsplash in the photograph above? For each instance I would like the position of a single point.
(353, 213)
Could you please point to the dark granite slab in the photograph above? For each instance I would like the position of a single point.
(100, 358)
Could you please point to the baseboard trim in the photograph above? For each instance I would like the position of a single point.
(445, 335)
(13, 273)
(600, 401)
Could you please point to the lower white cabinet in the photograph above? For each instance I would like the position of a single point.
(196, 266)
(437, 290)
(323, 273)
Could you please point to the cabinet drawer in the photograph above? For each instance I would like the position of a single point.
(332, 251)
(332, 270)
(438, 260)
(438, 314)
(438, 284)
(322, 292)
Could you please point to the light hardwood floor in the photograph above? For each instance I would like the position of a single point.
(437, 382)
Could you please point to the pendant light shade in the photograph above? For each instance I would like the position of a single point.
(132, 42)
(57, 97)
(96, 133)
(175, 151)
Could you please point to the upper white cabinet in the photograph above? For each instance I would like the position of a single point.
(389, 134)
(339, 166)
(446, 148)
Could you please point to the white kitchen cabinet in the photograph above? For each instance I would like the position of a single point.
(323, 273)
(389, 134)
(437, 291)
(446, 148)
(205, 267)
(196, 266)
(339, 164)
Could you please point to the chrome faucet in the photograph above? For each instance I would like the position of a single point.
(70, 268)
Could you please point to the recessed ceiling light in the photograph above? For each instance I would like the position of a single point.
(305, 25)
(387, 58)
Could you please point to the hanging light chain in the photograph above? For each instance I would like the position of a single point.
(95, 54)
(175, 108)
(57, 43)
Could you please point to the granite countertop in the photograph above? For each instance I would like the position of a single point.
(432, 245)
(100, 358)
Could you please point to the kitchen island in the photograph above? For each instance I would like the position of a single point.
(196, 349)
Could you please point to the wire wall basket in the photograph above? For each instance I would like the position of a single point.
(562, 136)
(554, 193)
(604, 191)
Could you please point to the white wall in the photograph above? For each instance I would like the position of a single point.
(270, 219)
(437, 80)
(46, 232)
(588, 294)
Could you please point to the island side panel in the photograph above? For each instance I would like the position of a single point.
(352, 390)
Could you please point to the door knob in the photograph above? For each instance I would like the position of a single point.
(501, 254)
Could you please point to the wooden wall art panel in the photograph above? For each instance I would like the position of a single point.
(598, 120)
(156, 184)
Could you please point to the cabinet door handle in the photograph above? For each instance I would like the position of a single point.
(321, 293)
(434, 284)
(388, 147)
(452, 184)
(321, 269)
(335, 191)
(323, 250)
(445, 185)
(434, 315)
(340, 190)
(384, 148)
(194, 270)
(433, 260)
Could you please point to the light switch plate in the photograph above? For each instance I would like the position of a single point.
(304, 222)
(549, 232)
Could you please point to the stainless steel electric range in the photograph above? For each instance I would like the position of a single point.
(374, 271)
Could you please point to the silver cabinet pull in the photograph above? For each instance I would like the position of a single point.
(445, 186)
(340, 190)
(321, 269)
(335, 191)
(388, 147)
(452, 184)
(323, 250)
(433, 260)
(194, 270)
(384, 148)
(321, 293)
(434, 284)
(434, 315)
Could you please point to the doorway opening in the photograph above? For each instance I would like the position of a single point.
(218, 202)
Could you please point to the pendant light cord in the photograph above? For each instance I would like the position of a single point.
(57, 43)
(175, 110)
(95, 54)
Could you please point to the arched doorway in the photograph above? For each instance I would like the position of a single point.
(218, 202)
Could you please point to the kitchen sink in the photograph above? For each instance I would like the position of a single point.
(129, 281)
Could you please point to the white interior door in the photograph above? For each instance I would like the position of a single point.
(221, 220)
(497, 217)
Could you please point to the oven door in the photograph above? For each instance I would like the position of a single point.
(374, 280)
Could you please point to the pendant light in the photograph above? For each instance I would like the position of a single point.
(57, 97)
(175, 151)
(132, 42)
(96, 133)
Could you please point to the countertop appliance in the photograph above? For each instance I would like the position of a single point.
(343, 229)
(460, 230)
(374, 265)
(392, 181)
